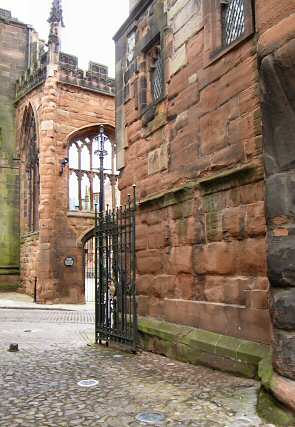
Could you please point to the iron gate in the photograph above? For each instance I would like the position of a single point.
(115, 276)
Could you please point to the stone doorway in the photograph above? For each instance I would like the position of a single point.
(89, 270)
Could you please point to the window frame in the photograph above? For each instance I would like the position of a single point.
(215, 47)
(147, 109)
(109, 174)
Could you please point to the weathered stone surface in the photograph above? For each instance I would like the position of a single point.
(178, 61)
(284, 390)
(182, 342)
(281, 261)
(278, 109)
(13, 60)
(158, 159)
(278, 200)
(284, 353)
(283, 308)
(211, 249)
(272, 411)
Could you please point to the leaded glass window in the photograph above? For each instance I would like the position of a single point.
(233, 20)
(157, 78)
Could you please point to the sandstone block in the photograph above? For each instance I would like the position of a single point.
(233, 223)
(149, 262)
(185, 33)
(180, 260)
(251, 257)
(215, 258)
(255, 223)
(165, 285)
(257, 299)
(178, 61)
(158, 159)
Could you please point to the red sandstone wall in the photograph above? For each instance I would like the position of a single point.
(61, 110)
(201, 249)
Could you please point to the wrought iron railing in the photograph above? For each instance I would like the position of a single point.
(115, 276)
(233, 20)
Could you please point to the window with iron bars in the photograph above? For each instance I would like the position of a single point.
(233, 20)
(157, 85)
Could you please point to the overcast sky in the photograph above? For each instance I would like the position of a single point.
(90, 25)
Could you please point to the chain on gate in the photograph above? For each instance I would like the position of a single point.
(115, 276)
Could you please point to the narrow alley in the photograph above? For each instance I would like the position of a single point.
(40, 381)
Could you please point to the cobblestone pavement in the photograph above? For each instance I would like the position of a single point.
(49, 316)
(39, 383)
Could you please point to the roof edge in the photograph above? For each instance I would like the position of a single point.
(134, 14)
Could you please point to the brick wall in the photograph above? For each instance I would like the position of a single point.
(196, 158)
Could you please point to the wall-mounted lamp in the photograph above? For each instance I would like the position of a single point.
(64, 162)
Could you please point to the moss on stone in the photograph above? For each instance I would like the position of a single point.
(199, 346)
(252, 352)
(265, 371)
(274, 412)
(201, 340)
(6, 287)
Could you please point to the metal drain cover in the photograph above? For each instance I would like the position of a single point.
(151, 417)
(87, 383)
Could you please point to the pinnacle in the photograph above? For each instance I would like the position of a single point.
(56, 13)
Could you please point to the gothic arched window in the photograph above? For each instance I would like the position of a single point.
(31, 164)
(84, 173)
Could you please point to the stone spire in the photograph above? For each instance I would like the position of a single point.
(56, 23)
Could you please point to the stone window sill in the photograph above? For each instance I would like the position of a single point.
(81, 214)
(219, 53)
(149, 112)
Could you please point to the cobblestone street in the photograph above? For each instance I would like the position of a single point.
(39, 384)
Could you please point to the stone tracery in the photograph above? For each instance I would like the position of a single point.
(30, 157)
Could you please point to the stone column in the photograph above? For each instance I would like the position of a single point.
(277, 73)
(48, 172)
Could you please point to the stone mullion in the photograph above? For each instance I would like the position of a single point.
(30, 197)
(90, 176)
(79, 175)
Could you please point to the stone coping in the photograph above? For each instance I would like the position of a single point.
(198, 346)
(80, 214)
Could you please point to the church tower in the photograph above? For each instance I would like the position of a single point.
(59, 110)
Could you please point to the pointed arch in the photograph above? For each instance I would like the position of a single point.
(82, 147)
(29, 151)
